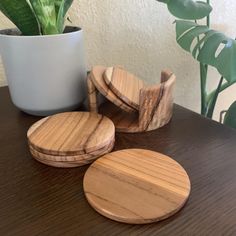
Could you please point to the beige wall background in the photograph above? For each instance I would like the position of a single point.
(139, 35)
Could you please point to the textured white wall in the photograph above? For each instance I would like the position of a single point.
(139, 34)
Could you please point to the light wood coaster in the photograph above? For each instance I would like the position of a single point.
(67, 162)
(156, 107)
(71, 133)
(96, 76)
(60, 164)
(136, 186)
(125, 85)
(75, 158)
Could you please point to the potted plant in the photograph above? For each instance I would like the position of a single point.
(43, 60)
(209, 47)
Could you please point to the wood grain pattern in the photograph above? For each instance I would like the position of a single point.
(74, 158)
(136, 186)
(96, 76)
(125, 85)
(71, 133)
(68, 161)
(92, 95)
(156, 107)
(124, 122)
(156, 103)
(59, 164)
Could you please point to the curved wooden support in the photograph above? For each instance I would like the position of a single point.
(92, 95)
(155, 107)
(156, 103)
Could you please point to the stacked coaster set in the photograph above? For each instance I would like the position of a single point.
(71, 139)
(132, 186)
(134, 106)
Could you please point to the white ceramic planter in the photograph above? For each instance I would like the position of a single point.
(45, 74)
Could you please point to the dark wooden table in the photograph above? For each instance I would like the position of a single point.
(39, 200)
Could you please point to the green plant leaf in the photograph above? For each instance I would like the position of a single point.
(230, 117)
(188, 9)
(21, 14)
(209, 47)
(46, 14)
(62, 6)
(57, 4)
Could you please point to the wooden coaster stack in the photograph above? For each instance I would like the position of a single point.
(71, 139)
(133, 106)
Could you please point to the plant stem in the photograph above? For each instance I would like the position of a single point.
(213, 99)
(222, 88)
(208, 17)
(203, 77)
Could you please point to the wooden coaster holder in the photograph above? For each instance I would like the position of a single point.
(155, 106)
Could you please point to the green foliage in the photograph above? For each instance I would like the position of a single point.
(188, 9)
(230, 117)
(46, 15)
(209, 47)
(62, 6)
(20, 13)
(34, 17)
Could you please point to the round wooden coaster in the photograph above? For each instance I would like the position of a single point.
(66, 161)
(60, 164)
(136, 186)
(71, 133)
(97, 78)
(77, 158)
(125, 85)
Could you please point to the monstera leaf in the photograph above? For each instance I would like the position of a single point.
(20, 13)
(230, 117)
(188, 9)
(209, 47)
